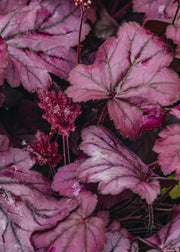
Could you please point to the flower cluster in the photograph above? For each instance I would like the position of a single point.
(44, 152)
(59, 111)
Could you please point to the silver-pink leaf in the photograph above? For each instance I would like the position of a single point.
(131, 73)
(65, 181)
(167, 239)
(27, 205)
(114, 166)
(39, 37)
(168, 148)
(78, 233)
(7, 6)
(155, 9)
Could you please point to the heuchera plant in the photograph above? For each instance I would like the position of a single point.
(89, 125)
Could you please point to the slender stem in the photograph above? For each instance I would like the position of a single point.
(51, 172)
(102, 115)
(151, 219)
(114, 7)
(163, 196)
(177, 10)
(117, 14)
(66, 149)
(80, 31)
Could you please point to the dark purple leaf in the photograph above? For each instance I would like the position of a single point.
(78, 233)
(114, 166)
(39, 37)
(4, 143)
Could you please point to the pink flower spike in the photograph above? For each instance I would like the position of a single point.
(44, 152)
(59, 111)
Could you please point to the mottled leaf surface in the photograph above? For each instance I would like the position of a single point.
(26, 200)
(7, 6)
(114, 166)
(117, 239)
(168, 238)
(78, 233)
(39, 37)
(168, 148)
(26, 204)
(65, 181)
(131, 72)
(16, 159)
(155, 9)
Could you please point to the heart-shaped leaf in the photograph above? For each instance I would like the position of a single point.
(131, 72)
(79, 232)
(26, 200)
(39, 37)
(114, 166)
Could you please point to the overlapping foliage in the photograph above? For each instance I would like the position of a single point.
(80, 115)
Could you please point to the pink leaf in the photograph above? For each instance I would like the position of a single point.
(131, 72)
(168, 238)
(7, 6)
(118, 240)
(3, 59)
(65, 181)
(15, 159)
(114, 166)
(59, 111)
(44, 152)
(173, 32)
(79, 232)
(155, 9)
(27, 204)
(168, 148)
(39, 37)
(176, 111)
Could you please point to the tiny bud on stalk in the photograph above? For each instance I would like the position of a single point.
(81, 2)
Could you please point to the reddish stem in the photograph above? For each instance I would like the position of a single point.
(118, 13)
(151, 219)
(114, 7)
(66, 150)
(102, 115)
(163, 196)
(51, 172)
(80, 31)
